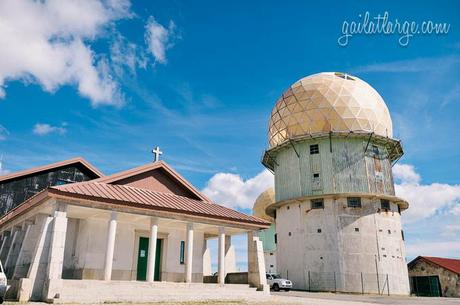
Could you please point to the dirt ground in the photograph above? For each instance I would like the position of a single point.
(307, 298)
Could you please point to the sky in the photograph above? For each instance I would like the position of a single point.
(110, 80)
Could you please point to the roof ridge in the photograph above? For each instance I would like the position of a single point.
(152, 166)
(40, 168)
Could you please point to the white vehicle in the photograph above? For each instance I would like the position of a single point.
(276, 282)
(3, 283)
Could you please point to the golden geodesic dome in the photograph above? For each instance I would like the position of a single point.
(328, 101)
(265, 199)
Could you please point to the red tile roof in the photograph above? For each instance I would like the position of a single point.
(143, 198)
(47, 167)
(446, 263)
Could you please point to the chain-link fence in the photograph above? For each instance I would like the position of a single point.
(348, 282)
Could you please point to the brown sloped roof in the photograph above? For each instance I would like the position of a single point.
(446, 263)
(51, 166)
(137, 197)
(148, 167)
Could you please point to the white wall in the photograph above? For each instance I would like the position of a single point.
(339, 248)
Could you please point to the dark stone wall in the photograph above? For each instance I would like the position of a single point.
(16, 191)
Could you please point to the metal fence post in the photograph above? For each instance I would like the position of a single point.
(362, 283)
(388, 285)
(335, 283)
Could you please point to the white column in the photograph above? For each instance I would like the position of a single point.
(152, 249)
(221, 256)
(189, 256)
(112, 230)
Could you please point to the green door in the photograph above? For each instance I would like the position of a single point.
(426, 286)
(142, 256)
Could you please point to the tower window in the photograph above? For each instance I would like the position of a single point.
(384, 204)
(402, 234)
(276, 238)
(290, 233)
(356, 229)
(319, 231)
(317, 204)
(375, 150)
(354, 202)
(314, 149)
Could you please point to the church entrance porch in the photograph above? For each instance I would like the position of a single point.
(68, 247)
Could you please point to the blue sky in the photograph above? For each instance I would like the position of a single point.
(112, 80)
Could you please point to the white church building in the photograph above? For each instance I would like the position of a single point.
(138, 235)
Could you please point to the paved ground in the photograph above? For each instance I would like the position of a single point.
(312, 297)
(309, 298)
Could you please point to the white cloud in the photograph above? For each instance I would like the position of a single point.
(48, 43)
(159, 38)
(2, 170)
(433, 248)
(424, 199)
(405, 173)
(125, 54)
(234, 192)
(45, 129)
(3, 132)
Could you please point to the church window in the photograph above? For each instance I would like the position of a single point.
(290, 233)
(356, 229)
(271, 266)
(276, 238)
(314, 149)
(319, 231)
(182, 252)
(354, 202)
(317, 204)
(389, 231)
(402, 234)
(384, 204)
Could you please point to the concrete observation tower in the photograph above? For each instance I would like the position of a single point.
(338, 221)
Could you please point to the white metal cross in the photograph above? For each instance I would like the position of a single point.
(157, 152)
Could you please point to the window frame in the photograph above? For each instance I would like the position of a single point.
(182, 252)
(313, 201)
(385, 201)
(351, 199)
(314, 149)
